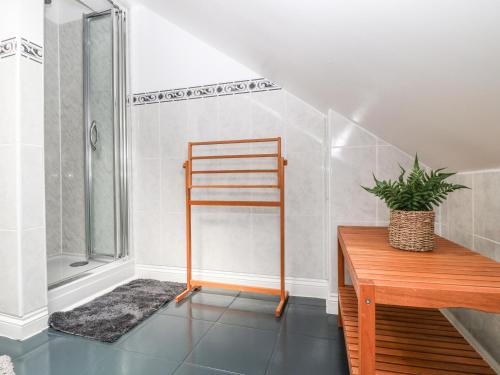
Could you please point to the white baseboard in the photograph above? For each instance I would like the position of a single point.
(332, 304)
(21, 328)
(100, 281)
(296, 286)
(472, 340)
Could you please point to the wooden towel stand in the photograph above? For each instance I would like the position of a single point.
(280, 172)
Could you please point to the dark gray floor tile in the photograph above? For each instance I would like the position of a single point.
(310, 321)
(165, 336)
(212, 299)
(15, 349)
(307, 301)
(190, 369)
(194, 310)
(238, 349)
(62, 356)
(253, 313)
(265, 297)
(222, 292)
(299, 355)
(122, 362)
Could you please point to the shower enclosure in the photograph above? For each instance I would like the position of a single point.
(85, 137)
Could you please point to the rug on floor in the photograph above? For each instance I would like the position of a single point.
(6, 367)
(113, 314)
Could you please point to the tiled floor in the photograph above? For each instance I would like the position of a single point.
(212, 333)
(58, 267)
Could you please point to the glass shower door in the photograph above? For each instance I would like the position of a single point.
(103, 136)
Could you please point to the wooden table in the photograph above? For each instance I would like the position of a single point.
(390, 314)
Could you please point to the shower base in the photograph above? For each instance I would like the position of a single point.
(59, 267)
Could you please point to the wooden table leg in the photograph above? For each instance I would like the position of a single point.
(366, 327)
(340, 278)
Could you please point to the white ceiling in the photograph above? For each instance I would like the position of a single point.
(421, 74)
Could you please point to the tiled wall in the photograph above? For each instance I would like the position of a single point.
(22, 222)
(243, 240)
(64, 143)
(355, 155)
(471, 218)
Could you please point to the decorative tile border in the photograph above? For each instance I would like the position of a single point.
(207, 91)
(8, 47)
(31, 51)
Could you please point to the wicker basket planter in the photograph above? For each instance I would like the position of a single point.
(412, 230)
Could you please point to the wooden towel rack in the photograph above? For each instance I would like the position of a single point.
(280, 173)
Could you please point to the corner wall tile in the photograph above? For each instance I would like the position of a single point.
(32, 187)
(34, 276)
(487, 205)
(8, 187)
(9, 253)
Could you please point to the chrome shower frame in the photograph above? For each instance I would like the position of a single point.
(120, 138)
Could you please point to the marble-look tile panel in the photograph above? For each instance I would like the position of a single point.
(304, 247)
(72, 141)
(352, 168)
(389, 158)
(173, 129)
(346, 133)
(305, 127)
(487, 205)
(459, 212)
(52, 140)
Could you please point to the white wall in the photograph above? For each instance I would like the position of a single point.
(235, 240)
(22, 212)
(166, 57)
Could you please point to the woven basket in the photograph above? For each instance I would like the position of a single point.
(412, 230)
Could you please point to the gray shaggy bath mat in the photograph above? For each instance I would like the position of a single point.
(111, 315)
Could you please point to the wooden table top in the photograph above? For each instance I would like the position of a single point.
(449, 276)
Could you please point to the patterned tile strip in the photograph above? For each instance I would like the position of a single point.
(207, 91)
(8, 47)
(31, 50)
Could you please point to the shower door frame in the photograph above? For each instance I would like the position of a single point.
(120, 138)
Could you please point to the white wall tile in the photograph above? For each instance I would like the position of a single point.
(32, 187)
(31, 92)
(8, 118)
(33, 269)
(173, 129)
(146, 132)
(352, 168)
(305, 127)
(147, 236)
(345, 133)
(304, 246)
(8, 208)
(9, 303)
(147, 184)
(487, 205)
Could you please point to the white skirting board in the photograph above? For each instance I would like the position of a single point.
(296, 286)
(21, 328)
(472, 340)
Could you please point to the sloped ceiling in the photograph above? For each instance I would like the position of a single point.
(421, 74)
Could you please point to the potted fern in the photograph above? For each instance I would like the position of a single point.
(412, 201)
